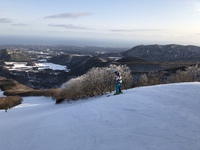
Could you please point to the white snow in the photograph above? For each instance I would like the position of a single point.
(50, 66)
(1, 93)
(41, 66)
(162, 117)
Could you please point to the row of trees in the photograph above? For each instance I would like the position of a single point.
(190, 74)
(96, 81)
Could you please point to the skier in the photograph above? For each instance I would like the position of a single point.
(118, 80)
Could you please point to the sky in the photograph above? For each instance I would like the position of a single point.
(100, 22)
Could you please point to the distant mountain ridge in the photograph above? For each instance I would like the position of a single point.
(79, 64)
(170, 52)
(11, 55)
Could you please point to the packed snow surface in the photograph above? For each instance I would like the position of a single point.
(162, 117)
(1, 93)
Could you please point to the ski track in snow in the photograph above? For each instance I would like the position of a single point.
(163, 117)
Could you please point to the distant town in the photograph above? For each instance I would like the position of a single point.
(46, 66)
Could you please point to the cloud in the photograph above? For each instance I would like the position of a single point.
(68, 15)
(69, 26)
(5, 20)
(135, 30)
(20, 24)
(197, 34)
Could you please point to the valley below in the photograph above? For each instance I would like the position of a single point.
(44, 67)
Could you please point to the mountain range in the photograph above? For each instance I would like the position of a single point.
(162, 53)
(140, 59)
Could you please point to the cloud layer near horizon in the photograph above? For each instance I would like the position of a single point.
(68, 15)
(5, 20)
(69, 26)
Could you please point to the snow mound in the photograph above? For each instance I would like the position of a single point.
(162, 117)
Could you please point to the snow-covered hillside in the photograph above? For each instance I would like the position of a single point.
(163, 117)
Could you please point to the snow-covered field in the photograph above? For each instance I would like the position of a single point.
(52, 66)
(163, 117)
(41, 66)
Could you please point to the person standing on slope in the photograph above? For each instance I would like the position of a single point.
(118, 80)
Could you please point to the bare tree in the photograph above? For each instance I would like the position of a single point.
(96, 81)
(190, 74)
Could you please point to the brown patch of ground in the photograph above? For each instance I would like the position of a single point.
(15, 90)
